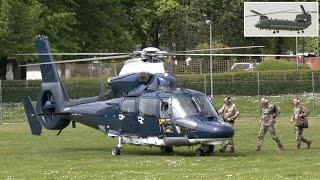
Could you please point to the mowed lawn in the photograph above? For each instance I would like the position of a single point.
(85, 153)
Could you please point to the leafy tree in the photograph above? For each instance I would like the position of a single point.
(17, 21)
(102, 26)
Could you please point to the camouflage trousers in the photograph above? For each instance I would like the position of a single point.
(299, 137)
(262, 133)
(230, 142)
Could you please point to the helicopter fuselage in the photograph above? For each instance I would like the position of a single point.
(301, 22)
(159, 118)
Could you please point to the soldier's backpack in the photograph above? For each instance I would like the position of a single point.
(276, 110)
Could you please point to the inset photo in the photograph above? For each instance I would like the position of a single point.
(281, 19)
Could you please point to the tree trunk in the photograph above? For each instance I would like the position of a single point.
(16, 70)
(3, 67)
(23, 71)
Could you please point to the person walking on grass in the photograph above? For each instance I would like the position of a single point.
(229, 113)
(299, 120)
(267, 121)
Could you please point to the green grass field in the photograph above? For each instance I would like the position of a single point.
(84, 153)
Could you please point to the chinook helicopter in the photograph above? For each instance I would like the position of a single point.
(301, 22)
(141, 106)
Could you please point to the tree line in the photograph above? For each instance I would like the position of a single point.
(123, 26)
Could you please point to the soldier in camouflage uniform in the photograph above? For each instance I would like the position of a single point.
(300, 113)
(229, 113)
(267, 122)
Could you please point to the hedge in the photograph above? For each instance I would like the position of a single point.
(246, 83)
(280, 65)
(232, 83)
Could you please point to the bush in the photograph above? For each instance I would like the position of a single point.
(279, 65)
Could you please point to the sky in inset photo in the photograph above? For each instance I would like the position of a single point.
(276, 16)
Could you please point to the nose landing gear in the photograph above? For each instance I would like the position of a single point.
(204, 150)
(117, 149)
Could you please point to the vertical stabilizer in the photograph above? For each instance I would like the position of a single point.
(48, 71)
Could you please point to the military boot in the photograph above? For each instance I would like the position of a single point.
(231, 150)
(298, 146)
(258, 148)
(223, 149)
(281, 147)
(308, 144)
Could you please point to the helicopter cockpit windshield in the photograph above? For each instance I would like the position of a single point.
(186, 105)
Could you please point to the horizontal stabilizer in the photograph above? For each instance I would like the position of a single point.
(53, 114)
(33, 118)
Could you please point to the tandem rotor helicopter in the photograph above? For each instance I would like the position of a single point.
(301, 22)
(141, 106)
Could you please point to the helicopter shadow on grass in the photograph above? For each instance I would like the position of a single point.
(182, 153)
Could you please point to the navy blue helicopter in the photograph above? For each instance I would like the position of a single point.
(139, 108)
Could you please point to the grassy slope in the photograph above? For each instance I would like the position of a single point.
(84, 153)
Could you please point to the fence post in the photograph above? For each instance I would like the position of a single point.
(258, 81)
(313, 100)
(205, 84)
(1, 100)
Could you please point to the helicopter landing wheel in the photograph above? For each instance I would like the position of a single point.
(115, 150)
(302, 31)
(166, 149)
(208, 149)
(277, 31)
(274, 32)
(298, 32)
(200, 152)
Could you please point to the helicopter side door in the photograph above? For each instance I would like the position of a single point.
(111, 122)
(128, 116)
(148, 117)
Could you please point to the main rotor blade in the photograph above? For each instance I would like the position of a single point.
(304, 11)
(256, 12)
(239, 55)
(285, 11)
(259, 14)
(72, 54)
(80, 60)
(215, 49)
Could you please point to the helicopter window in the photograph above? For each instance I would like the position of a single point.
(205, 105)
(184, 106)
(148, 107)
(164, 111)
(128, 106)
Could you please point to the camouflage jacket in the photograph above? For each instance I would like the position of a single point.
(229, 111)
(300, 113)
(268, 115)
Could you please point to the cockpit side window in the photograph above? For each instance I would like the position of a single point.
(164, 109)
(148, 107)
(128, 106)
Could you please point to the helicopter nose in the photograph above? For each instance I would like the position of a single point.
(206, 129)
(216, 131)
